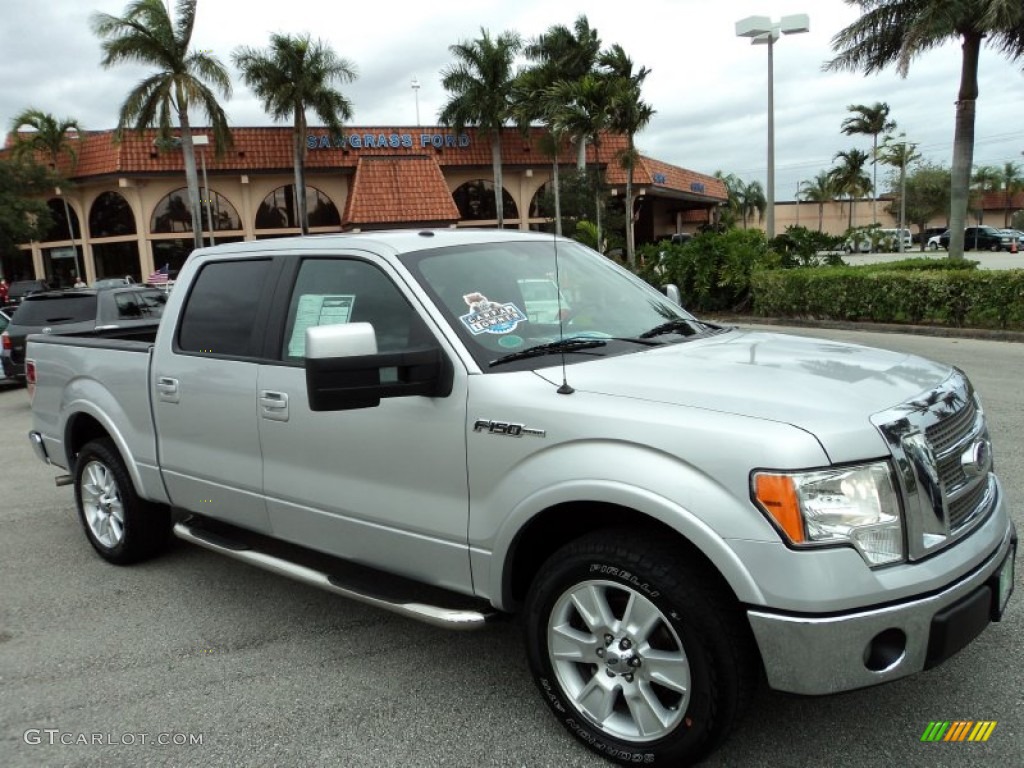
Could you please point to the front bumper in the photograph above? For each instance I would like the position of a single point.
(39, 446)
(827, 654)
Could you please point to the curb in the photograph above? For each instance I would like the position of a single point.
(990, 334)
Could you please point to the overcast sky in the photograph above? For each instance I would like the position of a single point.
(708, 86)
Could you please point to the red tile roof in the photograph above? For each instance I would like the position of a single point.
(400, 189)
(269, 149)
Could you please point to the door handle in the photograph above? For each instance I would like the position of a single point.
(274, 405)
(274, 401)
(166, 385)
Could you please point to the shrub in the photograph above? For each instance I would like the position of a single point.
(713, 271)
(947, 296)
(802, 247)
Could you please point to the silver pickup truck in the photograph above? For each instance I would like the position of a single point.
(676, 509)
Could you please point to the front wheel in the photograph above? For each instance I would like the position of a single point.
(639, 653)
(122, 527)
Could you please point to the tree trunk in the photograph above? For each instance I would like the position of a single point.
(630, 245)
(298, 159)
(821, 215)
(963, 144)
(874, 178)
(597, 193)
(558, 194)
(188, 151)
(499, 196)
(581, 154)
(71, 236)
(853, 203)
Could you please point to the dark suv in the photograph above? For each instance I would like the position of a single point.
(19, 289)
(981, 239)
(79, 312)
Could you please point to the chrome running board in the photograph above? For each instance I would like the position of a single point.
(439, 616)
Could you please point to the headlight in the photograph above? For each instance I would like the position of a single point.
(851, 505)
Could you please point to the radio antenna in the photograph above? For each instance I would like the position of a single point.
(564, 389)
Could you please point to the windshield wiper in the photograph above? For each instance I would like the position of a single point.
(678, 325)
(551, 348)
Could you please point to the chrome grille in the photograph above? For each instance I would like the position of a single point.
(952, 429)
(942, 456)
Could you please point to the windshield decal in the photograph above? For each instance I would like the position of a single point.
(511, 341)
(487, 316)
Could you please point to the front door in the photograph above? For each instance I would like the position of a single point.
(386, 486)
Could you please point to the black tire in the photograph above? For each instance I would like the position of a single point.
(122, 527)
(706, 653)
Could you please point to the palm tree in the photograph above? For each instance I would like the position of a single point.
(564, 55)
(821, 190)
(726, 215)
(897, 31)
(52, 137)
(849, 177)
(986, 178)
(751, 199)
(293, 75)
(899, 153)
(146, 35)
(628, 115)
(1012, 181)
(480, 83)
(583, 112)
(870, 121)
(560, 55)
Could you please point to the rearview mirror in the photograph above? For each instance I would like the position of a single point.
(344, 371)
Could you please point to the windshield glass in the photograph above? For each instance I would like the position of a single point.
(506, 298)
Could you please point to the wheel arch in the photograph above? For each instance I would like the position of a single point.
(552, 528)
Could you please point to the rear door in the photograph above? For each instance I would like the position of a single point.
(203, 385)
(386, 485)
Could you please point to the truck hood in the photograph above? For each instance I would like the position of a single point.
(828, 388)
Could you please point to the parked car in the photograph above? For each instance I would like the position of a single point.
(936, 241)
(78, 311)
(927, 234)
(677, 509)
(981, 239)
(19, 289)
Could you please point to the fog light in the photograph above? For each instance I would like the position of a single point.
(885, 650)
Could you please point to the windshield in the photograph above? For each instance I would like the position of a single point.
(505, 299)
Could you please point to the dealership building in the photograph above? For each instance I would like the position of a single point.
(130, 213)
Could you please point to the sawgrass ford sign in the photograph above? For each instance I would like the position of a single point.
(387, 141)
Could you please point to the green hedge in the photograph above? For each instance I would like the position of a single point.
(945, 296)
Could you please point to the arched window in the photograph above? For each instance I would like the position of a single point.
(59, 229)
(111, 216)
(542, 206)
(280, 209)
(475, 201)
(172, 214)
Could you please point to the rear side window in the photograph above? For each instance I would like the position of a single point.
(56, 310)
(221, 310)
(139, 305)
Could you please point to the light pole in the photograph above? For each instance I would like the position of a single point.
(416, 92)
(202, 141)
(764, 31)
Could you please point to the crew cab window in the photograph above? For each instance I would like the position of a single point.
(333, 291)
(221, 309)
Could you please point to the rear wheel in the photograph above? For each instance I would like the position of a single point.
(639, 653)
(122, 527)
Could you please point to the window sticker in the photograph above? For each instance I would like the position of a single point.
(318, 309)
(511, 341)
(487, 316)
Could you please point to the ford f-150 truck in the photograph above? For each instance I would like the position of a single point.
(678, 510)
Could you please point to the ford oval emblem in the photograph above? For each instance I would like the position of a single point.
(975, 460)
(47, 329)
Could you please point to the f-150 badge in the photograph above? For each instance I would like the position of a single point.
(507, 429)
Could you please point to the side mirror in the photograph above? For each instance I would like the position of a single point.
(344, 371)
(672, 291)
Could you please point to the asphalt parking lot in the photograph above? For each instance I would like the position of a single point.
(264, 671)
